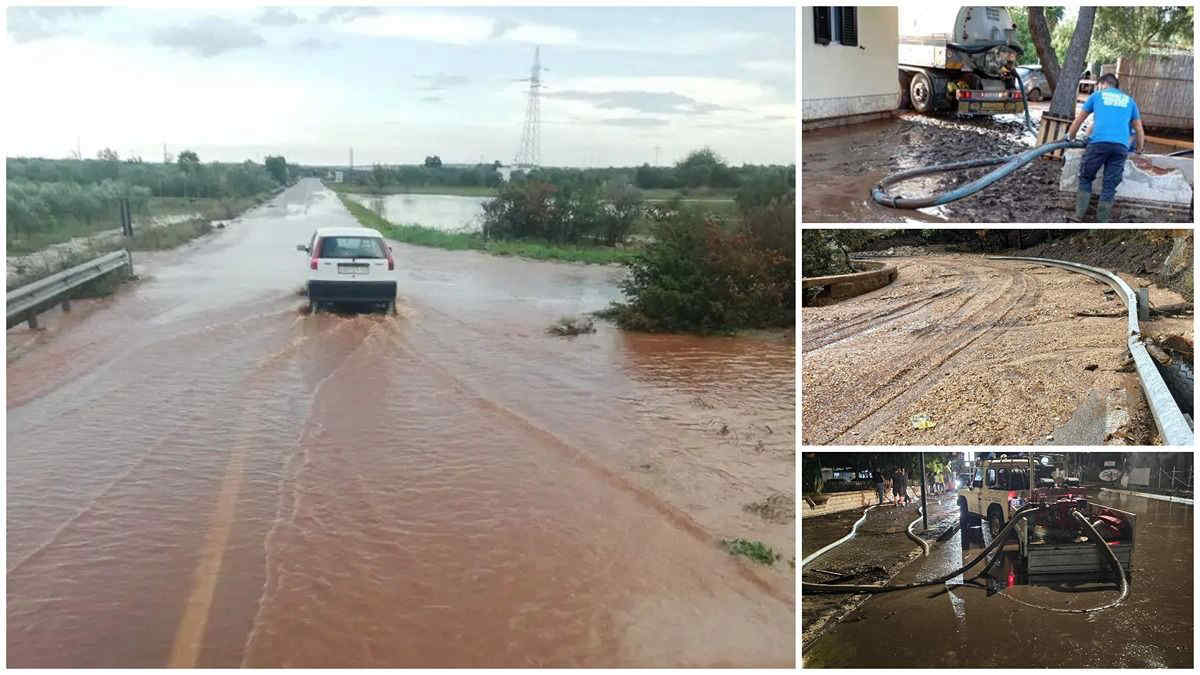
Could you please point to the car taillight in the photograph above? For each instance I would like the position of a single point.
(391, 262)
(313, 263)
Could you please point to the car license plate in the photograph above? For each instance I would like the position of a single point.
(353, 268)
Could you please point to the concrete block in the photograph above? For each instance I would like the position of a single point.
(1155, 178)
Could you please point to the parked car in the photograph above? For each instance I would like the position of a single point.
(1037, 87)
(351, 266)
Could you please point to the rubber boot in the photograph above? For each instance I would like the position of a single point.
(1082, 198)
(1103, 212)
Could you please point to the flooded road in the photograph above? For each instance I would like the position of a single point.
(970, 626)
(452, 213)
(199, 474)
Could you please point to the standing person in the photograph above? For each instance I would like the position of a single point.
(877, 477)
(898, 486)
(1114, 112)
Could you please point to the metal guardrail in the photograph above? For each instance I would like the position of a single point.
(1167, 417)
(26, 302)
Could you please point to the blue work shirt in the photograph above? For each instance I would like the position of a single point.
(1113, 110)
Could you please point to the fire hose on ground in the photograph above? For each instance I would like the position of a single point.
(997, 540)
(1009, 164)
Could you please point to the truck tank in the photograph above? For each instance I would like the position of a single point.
(959, 60)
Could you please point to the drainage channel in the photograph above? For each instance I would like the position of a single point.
(1170, 420)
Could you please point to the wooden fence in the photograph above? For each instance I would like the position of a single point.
(1162, 85)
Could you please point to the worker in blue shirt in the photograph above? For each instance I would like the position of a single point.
(1114, 112)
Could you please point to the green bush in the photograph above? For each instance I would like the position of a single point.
(697, 277)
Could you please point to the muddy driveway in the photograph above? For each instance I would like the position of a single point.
(979, 626)
(200, 474)
(992, 351)
(840, 165)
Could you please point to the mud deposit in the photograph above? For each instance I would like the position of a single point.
(977, 625)
(200, 474)
(840, 166)
(990, 350)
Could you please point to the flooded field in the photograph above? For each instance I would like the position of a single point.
(452, 213)
(979, 625)
(200, 474)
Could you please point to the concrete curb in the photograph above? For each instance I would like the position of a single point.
(842, 286)
(1150, 495)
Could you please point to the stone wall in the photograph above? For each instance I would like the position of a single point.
(841, 286)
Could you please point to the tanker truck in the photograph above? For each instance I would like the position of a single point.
(960, 60)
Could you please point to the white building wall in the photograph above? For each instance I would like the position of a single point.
(837, 80)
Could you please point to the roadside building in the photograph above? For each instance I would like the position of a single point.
(848, 64)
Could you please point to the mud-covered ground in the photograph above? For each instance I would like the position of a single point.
(993, 352)
(839, 166)
(877, 552)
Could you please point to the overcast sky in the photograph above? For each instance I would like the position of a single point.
(398, 84)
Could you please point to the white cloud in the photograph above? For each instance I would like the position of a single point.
(719, 90)
(456, 29)
(771, 67)
(542, 35)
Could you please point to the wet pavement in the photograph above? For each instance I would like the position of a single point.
(200, 474)
(972, 627)
(840, 166)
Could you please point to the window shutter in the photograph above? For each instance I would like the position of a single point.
(848, 26)
(822, 25)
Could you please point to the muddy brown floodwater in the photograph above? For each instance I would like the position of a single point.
(991, 350)
(200, 474)
(970, 626)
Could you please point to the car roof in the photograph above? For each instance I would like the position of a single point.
(347, 232)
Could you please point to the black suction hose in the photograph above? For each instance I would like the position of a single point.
(996, 541)
(1010, 164)
(1021, 85)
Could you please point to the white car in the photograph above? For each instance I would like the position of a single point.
(350, 265)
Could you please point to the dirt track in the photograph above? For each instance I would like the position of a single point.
(990, 350)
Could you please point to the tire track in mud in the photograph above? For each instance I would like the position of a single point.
(914, 379)
(860, 323)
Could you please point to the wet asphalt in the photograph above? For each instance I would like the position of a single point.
(976, 625)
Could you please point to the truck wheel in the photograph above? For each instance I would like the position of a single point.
(964, 514)
(920, 91)
(995, 520)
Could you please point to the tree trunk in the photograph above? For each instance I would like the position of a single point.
(1040, 34)
(1063, 104)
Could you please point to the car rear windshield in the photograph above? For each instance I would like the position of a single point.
(352, 247)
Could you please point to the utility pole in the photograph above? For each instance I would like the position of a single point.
(924, 505)
(657, 149)
(352, 159)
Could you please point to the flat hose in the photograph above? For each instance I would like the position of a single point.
(1010, 164)
(1112, 559)
(839, 542)
(1022, 512)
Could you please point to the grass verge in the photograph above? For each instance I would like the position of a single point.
(419, 235)
(754, 550)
